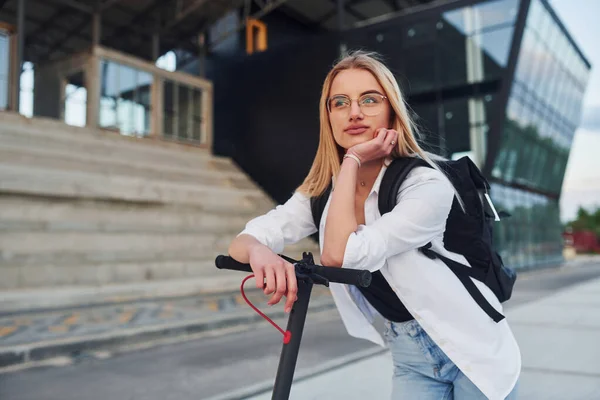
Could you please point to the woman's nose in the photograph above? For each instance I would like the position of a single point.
(355, 111)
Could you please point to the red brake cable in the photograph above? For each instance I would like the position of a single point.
(287, 335)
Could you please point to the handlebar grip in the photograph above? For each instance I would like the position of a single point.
(333, 274)
(226, 262)
(356, 277)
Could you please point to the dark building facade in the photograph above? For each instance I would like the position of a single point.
(501, 81)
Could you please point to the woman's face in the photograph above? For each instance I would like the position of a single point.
(357, 107)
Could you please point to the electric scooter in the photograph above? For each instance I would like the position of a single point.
(307, 274)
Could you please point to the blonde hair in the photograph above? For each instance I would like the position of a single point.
(329, 154)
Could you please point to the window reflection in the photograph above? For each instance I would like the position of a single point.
(4, 69)
(182, 112)
(532, 234)
(125, 102)
(489, 14)
(474, 41)
(543, 109)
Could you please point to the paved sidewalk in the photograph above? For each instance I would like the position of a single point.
(29, 336)
(559, 338)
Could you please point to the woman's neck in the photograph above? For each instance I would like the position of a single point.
(367, 174)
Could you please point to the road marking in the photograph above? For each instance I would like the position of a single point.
(72, 319)
(125, 317)
(7, 330)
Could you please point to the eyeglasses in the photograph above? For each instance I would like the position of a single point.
(370, 104)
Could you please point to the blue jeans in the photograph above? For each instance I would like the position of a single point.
(422, 370)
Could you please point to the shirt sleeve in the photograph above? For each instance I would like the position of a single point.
(285, 224)
(422, 208)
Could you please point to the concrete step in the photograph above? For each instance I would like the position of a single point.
(141, 159)
(67, 160)
(75, 184)
(73, 248)
(43, 132)
(27, 300)
(30, 243)
(98, 267)
(30, 214)
(14, 277)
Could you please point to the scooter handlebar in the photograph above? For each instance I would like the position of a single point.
(355, 277)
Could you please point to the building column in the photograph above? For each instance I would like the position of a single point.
(156, 38)
(20, 53)
(155, 46)
(96, 28)
(475, 73)
(202, 55)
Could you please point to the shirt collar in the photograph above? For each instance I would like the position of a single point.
(377, 183)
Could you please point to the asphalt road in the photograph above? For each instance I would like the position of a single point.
(206, 367)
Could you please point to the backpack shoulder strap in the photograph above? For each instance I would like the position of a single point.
(317, 206)
(395, 174)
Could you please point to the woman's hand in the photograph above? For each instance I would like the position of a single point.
(280, 275)
(379, 147)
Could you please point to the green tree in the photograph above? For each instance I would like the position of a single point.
(586, 220)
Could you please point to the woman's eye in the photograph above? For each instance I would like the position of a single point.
(340, 102)
(369, 100)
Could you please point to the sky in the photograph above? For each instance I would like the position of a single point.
(581, 186)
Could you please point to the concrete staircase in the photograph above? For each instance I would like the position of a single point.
(82, 211)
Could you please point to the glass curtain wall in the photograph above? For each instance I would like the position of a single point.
(542, 114)
(453, 66)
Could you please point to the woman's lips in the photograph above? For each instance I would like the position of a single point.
(356, 131)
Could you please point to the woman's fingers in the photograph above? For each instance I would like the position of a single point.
(281, 285)
(390, 140)
(292, 287)
(259, 276)
(271, 282)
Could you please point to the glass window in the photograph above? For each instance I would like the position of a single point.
(453, 55)
(125, 109)
(168, 109)
(496, 46)
(421, 69)
(549, 80)
(493, 13)
(143, 100)
(534, 16)
(527, 57)
(125, 99)
(75, 105)
(197, 116)
(426, 118)
(472, 19)
(419, 33)
(4, 69)
(456, 125)
(543, 26)
(539, 74)
(182, 113)
(514, 109)
(454, 72)
(183, 109)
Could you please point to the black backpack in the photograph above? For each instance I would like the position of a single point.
(467, 232)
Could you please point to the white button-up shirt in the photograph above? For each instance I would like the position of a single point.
(485, 351)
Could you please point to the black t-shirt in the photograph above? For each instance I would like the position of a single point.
(381, 296)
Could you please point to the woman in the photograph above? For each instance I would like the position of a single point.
(443, 345)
